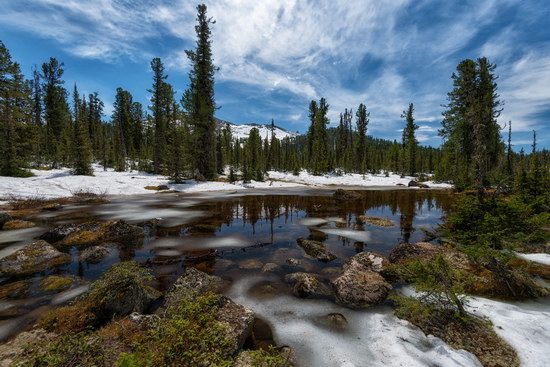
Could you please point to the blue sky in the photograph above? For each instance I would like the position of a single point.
(275, 56)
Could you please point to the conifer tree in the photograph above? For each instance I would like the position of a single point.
(362, 121)
(410, 144)
(56, 113)
(159, 111)
(82, 150)
(198, 99)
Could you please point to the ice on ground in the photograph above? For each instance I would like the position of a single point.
(374, 337)
(539, 258)
(352, 234)
(190, 243)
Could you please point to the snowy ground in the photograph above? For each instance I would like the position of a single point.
(352, 179)
(60, 183)
(539, 258)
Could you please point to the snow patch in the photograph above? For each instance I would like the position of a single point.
(539, 258)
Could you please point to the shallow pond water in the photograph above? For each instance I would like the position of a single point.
(234, 235)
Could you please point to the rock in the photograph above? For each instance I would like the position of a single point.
(17, 224)
(345, 195)
(250, 264)
(93, 254)
(362, 289)
(331, 272)
(15, 290)
(51, 207)
(412, 184)
(293, 262)
(423, 186)
(56, 283)
(271, 268)
(192, 283)
(420, 250)
(32, 258)
(93, 233)
(239, 319)
(4, 217)
(144, 321)
(377, 221)
(307, 285)
(367, 261)
(332, 321)
(15, 348)
(360, 284)
(316, 250)
(157, 188)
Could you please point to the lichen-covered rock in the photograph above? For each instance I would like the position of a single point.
(17, 224)
(93, 254)
(346, 195)
(271, 268)
(192, 283)
(4, 217)
(32, 258)
(316, 250)
(307, 285)
(360, 289)
(93, 233)
(239, 320)
(367, 261)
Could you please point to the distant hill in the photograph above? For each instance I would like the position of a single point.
(242, 131)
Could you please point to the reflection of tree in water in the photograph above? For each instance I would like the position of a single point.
(271, 209)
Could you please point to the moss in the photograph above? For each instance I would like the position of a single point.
(267, 358)
(469, 333)
(530, 267)
(70, 319)
(55, 283)
(17, 224)
(15, 290)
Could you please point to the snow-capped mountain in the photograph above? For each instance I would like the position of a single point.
(242, 131)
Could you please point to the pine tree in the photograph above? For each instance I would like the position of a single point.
(410, 144)
(159, 112)
(198, 99)
(82, 150)
(362, 121)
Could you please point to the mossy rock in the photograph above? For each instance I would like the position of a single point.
(17, 224)
(56, 283)
(377, 221)
(93, 233)
(15, 290)
(33, 258)
(4, 217)
(120, 291)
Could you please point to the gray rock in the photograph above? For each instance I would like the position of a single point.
(4, 217)
(271, 268)
(360, 289)
(32, 258)
(332, 321)
(307, 285)
(367, 261)
(239, 319)
(93, 254)
(316, 250)
(293, 262)
(413, 184)
(192, 283)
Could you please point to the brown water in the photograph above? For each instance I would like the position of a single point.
(230, 235)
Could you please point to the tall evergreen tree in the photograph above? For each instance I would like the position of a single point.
(410, 144)
(158, 108)
(198, 99)
(362, 121)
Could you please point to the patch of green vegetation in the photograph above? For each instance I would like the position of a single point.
(190, 335)
(55, 283)
(267, 358)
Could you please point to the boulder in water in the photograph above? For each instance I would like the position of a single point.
(316, 249)
(33, 258)
(307, 285)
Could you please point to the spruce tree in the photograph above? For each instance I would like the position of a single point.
(410, 144)
(82, 150)
(198, 99)
(158, 109)
(362, 121)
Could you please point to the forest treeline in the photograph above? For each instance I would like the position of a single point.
(44, 125)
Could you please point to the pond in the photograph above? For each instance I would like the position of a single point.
(234, 236)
